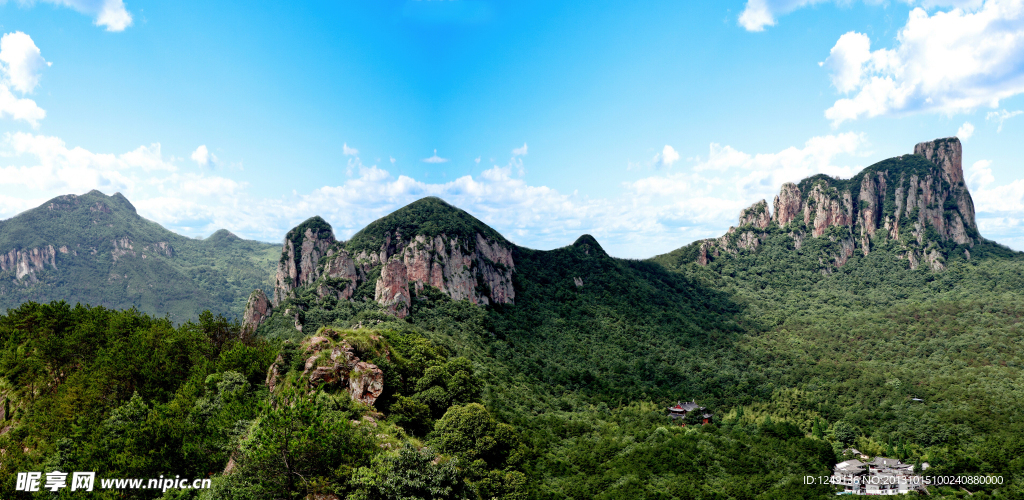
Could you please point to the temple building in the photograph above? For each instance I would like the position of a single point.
(681, 410)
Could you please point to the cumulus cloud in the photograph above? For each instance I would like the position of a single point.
(666, 157)
(203, 157)
(948, 62)
(1001, 116)
(1000, 208)
(111, 14)
(518, 151)
(760, 13)
(715, 189)
(347, 151)
(21, 65)
(21, 62)
(435, 159)
(757, 14)
(965, 131)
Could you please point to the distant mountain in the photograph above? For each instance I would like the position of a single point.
(915, 206)
(96, 249)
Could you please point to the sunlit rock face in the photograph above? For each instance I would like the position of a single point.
(464, 265)
(919, 201)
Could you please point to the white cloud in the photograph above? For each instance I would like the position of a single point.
(965, 131)
(203, 157)
(979, 176)
(760, 13)
(20, 67)
(846, 61)
(666, 157)
(435, 159)
(347, 151)
(19, 108)
(519, 151)
(110, 14)
(948, 62)
(1001, 116)
(20, 62)
(728, 180)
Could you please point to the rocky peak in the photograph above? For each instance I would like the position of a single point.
(919, 201)
(787, 204)
(756, 215)
(257, 309)
(303, 247)
(427, 243)
(945, 153)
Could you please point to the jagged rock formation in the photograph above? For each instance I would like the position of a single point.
(331, 362)
(398, 262)
(303, 247)
(28, 262)
(257, 309)
(920, 202)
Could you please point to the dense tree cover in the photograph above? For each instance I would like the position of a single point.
(561, 395)
(429, 217)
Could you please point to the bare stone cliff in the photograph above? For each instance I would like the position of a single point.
(918, 201)
(257, 309)
(303, 247)
(28, 262)
(472, 267)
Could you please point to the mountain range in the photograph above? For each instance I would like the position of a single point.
(430, 357)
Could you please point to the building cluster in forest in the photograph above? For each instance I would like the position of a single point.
(881, 476)
(691, 409)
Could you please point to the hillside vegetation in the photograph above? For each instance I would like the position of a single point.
(559, 395)
(104, 253)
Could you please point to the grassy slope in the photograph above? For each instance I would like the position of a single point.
(216, 273)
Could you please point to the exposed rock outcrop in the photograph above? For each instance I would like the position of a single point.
(303, 247)
(787, 204)
(756, 215)
(331, 362)
(919, 201)
(257, 309)
(123, 247)
(28, 262)
(477, 269)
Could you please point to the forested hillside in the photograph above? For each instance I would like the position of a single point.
(96, 249)
(439, 360)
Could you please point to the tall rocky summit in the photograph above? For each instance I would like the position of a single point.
(915, 205)
(427, 243)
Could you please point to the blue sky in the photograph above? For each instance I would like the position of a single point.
(647, 126)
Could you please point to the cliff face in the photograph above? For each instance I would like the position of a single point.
(28, 262)
(256, 310)
(303, 248)
(472, 267)
(920, 202)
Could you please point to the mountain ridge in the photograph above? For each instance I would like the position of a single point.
(96, 249)
(916, 205)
